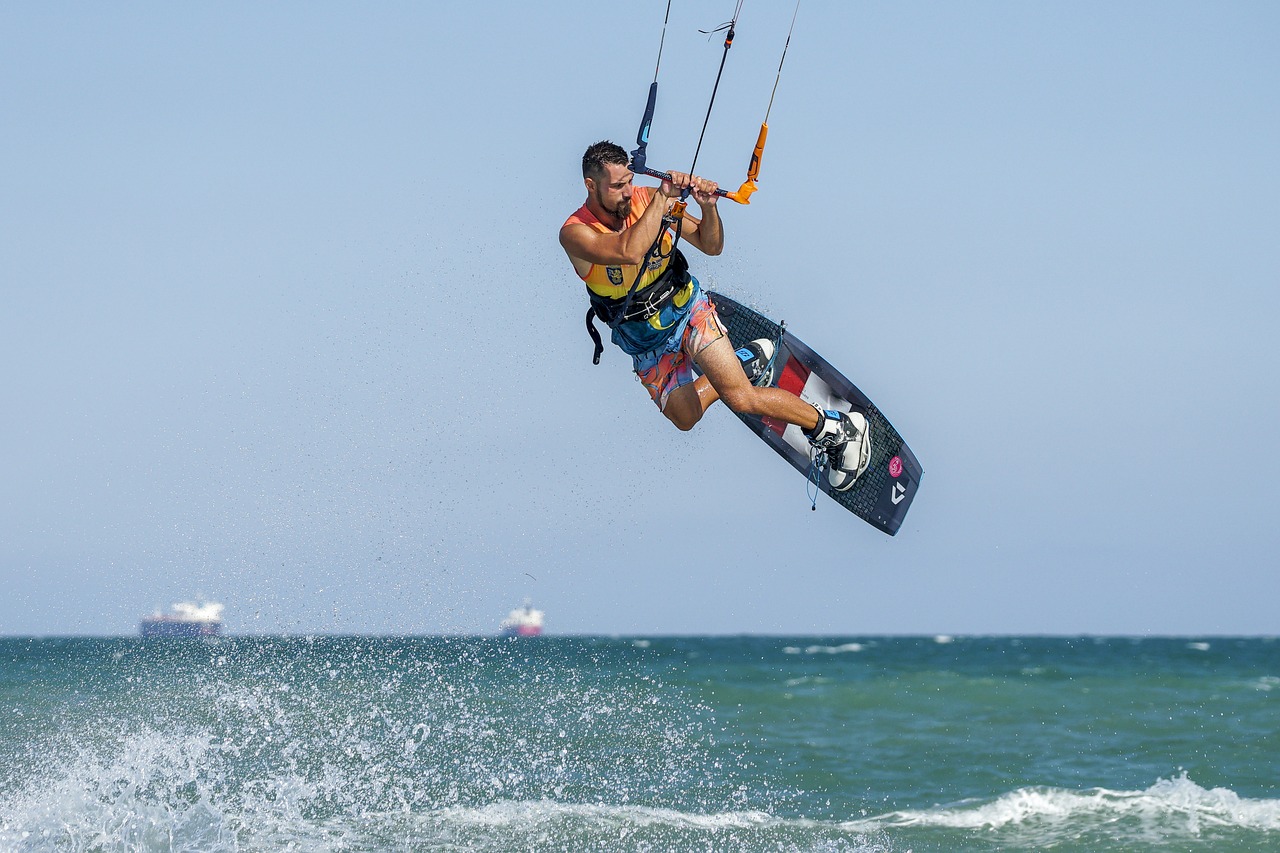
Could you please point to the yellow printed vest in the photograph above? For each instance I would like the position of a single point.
(613, 282)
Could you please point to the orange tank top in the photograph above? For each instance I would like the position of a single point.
(613, 282)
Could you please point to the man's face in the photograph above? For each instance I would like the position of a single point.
(612, 191)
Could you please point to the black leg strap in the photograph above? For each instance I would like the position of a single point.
(595, 336)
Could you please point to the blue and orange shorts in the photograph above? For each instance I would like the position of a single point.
(664, 372)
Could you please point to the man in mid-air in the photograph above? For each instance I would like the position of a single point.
(639, 284)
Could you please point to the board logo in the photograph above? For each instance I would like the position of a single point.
(899, 493)
(895, 467)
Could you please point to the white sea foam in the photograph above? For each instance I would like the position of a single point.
(268, 769)
(141, 798)
(603, 826)
(824, 650)
(164, 791)
(156, 793)
(1171, 806)
(1266, 683)
(514, 813)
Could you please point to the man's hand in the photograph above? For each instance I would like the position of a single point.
(703, 190)
(673, 187)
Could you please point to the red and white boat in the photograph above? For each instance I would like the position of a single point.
(522, 622)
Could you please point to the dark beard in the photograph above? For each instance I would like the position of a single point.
(622, 211)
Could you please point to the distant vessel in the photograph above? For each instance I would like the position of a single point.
(522, 622)
(187, 619)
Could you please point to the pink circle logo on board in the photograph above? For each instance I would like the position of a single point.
(895, 467)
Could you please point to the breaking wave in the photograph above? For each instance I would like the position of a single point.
(1170, 808)
(172, 792)
(443, 744)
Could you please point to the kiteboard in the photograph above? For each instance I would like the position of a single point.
(883, 494)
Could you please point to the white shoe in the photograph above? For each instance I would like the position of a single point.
(846, 440)
(757, 361)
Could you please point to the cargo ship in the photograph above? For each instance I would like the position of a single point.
(522, 622)
(186, 619)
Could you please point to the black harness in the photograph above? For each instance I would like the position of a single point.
(638, 304)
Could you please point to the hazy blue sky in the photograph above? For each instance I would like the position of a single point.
(285, 322)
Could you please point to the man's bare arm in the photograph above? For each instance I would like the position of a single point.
(627, 246)
(707, 233)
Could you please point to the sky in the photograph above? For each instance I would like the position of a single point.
(284, 321)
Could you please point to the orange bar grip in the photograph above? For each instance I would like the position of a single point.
(753, 171)
(742, 195)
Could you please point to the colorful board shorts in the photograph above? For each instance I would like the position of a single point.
(664, 371)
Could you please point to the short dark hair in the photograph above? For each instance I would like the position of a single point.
(595, 158)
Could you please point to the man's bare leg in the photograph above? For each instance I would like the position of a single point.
(723, 379)
(687, 404)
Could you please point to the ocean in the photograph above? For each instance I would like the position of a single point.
(874, 744)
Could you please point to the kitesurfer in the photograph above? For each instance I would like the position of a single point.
(639, 284)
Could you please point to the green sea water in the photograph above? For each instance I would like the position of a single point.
(664, 744)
